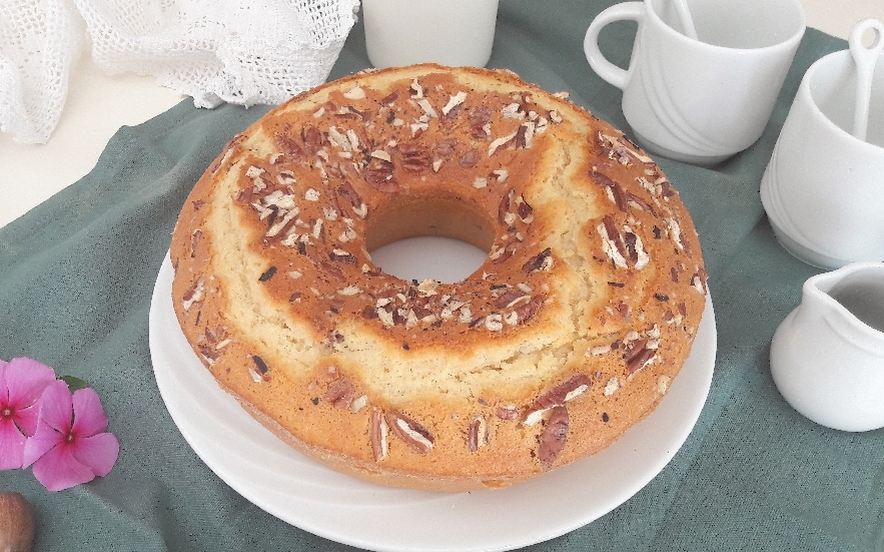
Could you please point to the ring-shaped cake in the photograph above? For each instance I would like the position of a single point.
(570, 332)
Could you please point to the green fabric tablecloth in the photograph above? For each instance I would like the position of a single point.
(77, 273)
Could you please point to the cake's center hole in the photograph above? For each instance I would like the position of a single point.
(442, 239)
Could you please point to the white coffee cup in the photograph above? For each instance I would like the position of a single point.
(823, 189)
(448, 32)
(701, 100)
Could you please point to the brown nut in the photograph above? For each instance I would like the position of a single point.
(16, 523)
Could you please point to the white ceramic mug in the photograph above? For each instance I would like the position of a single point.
(449, 32)
(823, 189)
(827, 356)
(701, 100)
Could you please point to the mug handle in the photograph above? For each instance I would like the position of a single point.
(626, 11)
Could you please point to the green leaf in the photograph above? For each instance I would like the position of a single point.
(74, 383)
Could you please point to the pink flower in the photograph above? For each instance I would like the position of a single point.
(70, 446)
(22, 381)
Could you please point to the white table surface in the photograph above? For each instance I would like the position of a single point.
(97, 105)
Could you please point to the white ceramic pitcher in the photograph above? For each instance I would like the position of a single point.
(827, 356)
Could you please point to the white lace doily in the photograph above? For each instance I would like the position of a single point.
(40, 41)
(239, 51)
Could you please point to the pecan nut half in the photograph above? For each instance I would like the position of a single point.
(412, 433)
(415, 158)
(477, 435)
(554, 436)
(378, 431)
(341, 394)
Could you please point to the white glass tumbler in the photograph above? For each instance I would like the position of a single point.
(448, 32)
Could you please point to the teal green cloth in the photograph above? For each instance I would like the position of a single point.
(77, 272)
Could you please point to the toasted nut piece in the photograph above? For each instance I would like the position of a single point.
(554, 436)
(16, 523)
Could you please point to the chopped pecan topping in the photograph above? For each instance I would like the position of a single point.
(469, 159)
(341, 394)
(260, 371)
(244, 195)
(638, 356)
(554, 436)
(624, 248)
(541, 262)
(346, 190)
(353, 113)
(312, 139)
(502, 142)
(503, 208)
(525, 211)
(209, 353)
(698, 281)
(480, 116)
(341, 256)
(212, 343)
(260, 364)
(355, 93)
(477, 434)
(195, 241)
(454, 101)
(613, 241)
(427, 108)
(415, 158)
(217, 337)
(524, 135)
(446, 147)
(390, 98)
(557, 396)
(507, 413)
(412, 433)
(562, 393)
(267, 274)
(527, 310)
(479, 132)
(194, 294)
(615, 192)
(290, 147)
(612, 386)
(622, 150)
(494, 322)
(510, 298)
(501, 254)
(378, 430)
(379, 175)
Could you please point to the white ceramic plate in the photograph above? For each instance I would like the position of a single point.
(307, 495)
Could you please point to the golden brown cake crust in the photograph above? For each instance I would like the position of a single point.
(568, 334)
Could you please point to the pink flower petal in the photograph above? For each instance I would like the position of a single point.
(25, 381)
(56, 407)
(3, 365)
(43, 440)
(26, 419)
(58, 470)
(89, 418)
(12, 444)
(98, 452)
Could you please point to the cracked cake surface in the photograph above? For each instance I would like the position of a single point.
(570, 332)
